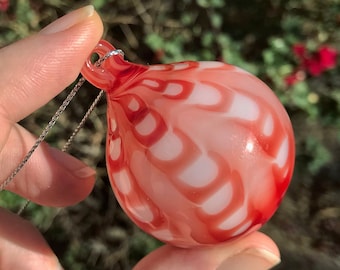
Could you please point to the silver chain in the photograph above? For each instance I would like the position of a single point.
(54, 119)
(82, 122)
(71, 138)
(44, 133)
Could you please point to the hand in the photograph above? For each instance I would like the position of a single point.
(33, 71)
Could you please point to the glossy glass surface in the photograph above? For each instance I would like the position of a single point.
(197, 152)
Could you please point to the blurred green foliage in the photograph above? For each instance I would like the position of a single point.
(256, 35)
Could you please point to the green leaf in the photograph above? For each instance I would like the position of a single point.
(154, 41)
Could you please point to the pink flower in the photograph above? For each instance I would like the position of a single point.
(4, 4)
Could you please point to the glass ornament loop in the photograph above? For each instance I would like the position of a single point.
(114, 70)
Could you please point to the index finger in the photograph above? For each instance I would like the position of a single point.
(36, 69)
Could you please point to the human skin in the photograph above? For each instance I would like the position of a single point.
(30, 76)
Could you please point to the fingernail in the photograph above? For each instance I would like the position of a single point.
(252, 258)
(68, 20)
(59, 267)
(71, 164)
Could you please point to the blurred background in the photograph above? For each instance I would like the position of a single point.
(292, 45)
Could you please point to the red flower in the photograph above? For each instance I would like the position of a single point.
(325, 58)
(299, 50)
(291, 79)
(316, 63)
(314, 66)
(4, 4)
(295, 77)
(328, 57)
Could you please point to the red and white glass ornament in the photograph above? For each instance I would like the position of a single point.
(197, 153)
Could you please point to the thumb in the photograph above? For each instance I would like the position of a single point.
(36, 69)
(254, 251)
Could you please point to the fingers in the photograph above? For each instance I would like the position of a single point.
(255, 251)
(33, 71)
(36, 69)
(22, 246)
(50, 177)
